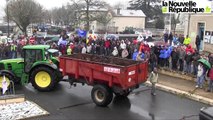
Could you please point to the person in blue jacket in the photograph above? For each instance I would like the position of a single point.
(134, 56)
(167, 55)
(162, 56)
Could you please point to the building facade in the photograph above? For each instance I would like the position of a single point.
(120, 20)
(201, 24)
(128, 18)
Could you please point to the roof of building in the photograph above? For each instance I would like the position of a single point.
(129, 13)
(95, 9)
(123, 13)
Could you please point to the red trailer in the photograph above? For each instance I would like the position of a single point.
(107, 75)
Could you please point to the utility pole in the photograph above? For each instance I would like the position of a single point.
(189, 17)
(8, 22)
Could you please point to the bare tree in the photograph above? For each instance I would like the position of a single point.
(118, 5)
(47, 16)
(174, 21)
(104, 18)
(65, 15)
(151, 9)
(24, 12)
(88, 4)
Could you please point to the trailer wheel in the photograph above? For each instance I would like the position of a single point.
(101, 95)
(124, 94)
(43, 79)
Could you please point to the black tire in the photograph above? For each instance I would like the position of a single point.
(124, 94)
(101, 95)
(53, 77)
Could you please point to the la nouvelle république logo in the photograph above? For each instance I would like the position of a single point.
(186, 6)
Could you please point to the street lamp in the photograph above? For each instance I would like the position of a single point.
(8, 24)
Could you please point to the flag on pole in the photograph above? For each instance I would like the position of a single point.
(82, 33)
(4, 85)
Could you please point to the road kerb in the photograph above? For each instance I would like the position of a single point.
(183, 94)
(176, 75)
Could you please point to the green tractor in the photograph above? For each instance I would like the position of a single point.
(39, 66)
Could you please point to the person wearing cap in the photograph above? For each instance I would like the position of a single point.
(153, 78)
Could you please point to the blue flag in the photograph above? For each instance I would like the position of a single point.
(82, 33)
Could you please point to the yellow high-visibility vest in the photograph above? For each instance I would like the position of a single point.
(187, 41)
(69, 51)
(13, 48)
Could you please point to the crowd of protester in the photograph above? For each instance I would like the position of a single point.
(174, 53)
(10, 50)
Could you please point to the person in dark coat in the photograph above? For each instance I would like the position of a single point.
(211, 58)
(195, 58)
(166, 37)
(153, 60)
(102, 49)
(188, 59)
(157, 53)
(170, 38)
(174, 58)
(75, 49)
(181, 39)
(98, 47)
(197, 42)
(182, 54)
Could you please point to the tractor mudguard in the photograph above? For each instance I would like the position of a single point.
(7, 71)
(53, 66)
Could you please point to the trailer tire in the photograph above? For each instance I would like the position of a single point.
(101, 95)
(125, 94)
(43, 79)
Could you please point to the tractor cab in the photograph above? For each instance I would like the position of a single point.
(33, 54)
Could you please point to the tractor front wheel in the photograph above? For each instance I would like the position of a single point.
(43, 79)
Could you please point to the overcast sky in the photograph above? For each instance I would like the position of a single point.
(57, 3)
(48, 4)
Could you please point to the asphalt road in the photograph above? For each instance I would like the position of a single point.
(76, 104)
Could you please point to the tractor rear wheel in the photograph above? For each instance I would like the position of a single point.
(101, 95)
(43, 79)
